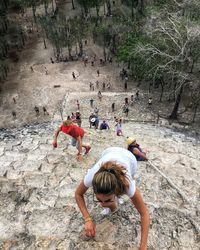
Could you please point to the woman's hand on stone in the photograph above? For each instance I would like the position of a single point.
(90, 229)
(55, 145)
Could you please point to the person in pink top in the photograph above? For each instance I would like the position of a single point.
(118, 127)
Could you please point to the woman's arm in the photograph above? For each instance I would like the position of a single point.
(141, 154)
(89, 225)
(145, 219)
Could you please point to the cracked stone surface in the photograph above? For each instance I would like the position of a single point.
(37, 183)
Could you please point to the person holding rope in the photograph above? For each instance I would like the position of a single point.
(110, 178)
(77, 134)
(136, 150)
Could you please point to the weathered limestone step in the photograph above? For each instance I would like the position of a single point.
(38, 209)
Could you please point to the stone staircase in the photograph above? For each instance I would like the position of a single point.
(37, 183)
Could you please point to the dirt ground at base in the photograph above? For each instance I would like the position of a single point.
(49, 83)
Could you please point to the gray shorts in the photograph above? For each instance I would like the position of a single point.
(75, 143)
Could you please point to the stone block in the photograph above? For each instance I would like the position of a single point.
(49, 199)
(4, 166)
(45, 148)
(61, 169)
(2, 150)
(15, 155)
(54, 159)
(26, 142)
(34, 205)
(29, 144)
(49, 223)
(35, 180)
(35, 156)
(11, 225)
(28, 166)
(66, 191)
(46, 167)
(14, 175)
(6, 186)
(53, 181)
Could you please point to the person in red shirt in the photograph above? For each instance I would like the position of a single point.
(77, 134)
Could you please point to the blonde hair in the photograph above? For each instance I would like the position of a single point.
(111, 178)
(67, 122)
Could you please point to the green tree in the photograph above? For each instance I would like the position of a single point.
(97, 4)
(190, 9)
(64, 33)
(104, 37)
(172, 46)
(195, 94)
(73, 6)
(170, 52)
(12, 38)
(85, 4)
(137, 6)
(79, 31)
(45, 3)
(33, 4)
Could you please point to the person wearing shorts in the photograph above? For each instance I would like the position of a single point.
(77, 134)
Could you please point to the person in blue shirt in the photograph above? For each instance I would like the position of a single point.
(104, 125)
(136, 150)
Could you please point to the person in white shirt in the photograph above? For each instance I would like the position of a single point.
(110, 178)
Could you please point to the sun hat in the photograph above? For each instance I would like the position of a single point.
(93, 119)
(130, 140)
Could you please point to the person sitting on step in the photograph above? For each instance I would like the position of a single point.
(136, 150)
(104, 125)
